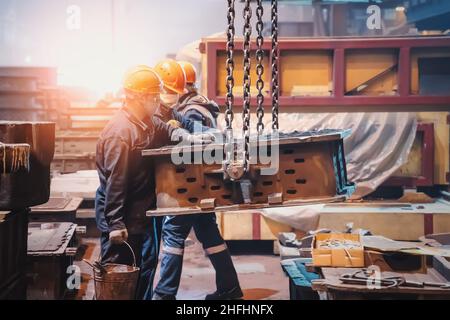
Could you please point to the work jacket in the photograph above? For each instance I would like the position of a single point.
(197, 108)
(127, 186)
(191, 113)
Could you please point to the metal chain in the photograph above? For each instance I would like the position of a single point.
(260, 67)
(229, 115)
(275, 84)
(246, 84)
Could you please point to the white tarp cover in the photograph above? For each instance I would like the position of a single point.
(377, 147)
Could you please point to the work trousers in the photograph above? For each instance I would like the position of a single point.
(174, 233)
(146, 249)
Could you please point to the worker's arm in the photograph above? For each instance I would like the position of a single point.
(116, 160)
(193, 124)
(163, 132)
(164, 113)
(167, 134)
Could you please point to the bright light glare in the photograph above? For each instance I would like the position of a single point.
(103, 76)
(400, 9)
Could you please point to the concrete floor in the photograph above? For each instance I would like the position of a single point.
(260, 275)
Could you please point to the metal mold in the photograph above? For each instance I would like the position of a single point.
(51, 252)
(311, 169)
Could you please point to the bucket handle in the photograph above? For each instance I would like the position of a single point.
(128, 245)
(132, 252)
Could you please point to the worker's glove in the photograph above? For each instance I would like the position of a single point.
(199, 138)
(118, 236)
(174, 124)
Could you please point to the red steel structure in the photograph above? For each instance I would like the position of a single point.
(404, 100)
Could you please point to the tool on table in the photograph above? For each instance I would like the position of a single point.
(366, 276)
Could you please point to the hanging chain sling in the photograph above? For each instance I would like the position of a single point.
(275, 84)
(260, 67)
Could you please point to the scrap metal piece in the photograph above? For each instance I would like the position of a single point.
(275, 198)
(365, 276)
(246, 190)
(208, 204)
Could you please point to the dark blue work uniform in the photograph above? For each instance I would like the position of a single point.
(177, 228)
(127, 191)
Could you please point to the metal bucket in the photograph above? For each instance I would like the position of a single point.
(116, 281)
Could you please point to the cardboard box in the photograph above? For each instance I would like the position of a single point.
(337, 257)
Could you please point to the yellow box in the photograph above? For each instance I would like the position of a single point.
(337, 257)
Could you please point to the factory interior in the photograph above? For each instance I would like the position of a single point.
(235, 150)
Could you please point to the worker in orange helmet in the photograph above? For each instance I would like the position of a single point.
(176, 229)
(173, 77)
(174, 81)
(193, 105)
(127, 188)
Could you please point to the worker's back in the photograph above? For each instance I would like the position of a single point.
(198, 108)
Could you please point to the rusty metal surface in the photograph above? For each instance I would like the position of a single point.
(14, 157)
(49, 256)
(285, 138)
(311, 170)
(28, 188)
(54, 204)
(48, 239)
(57, 209)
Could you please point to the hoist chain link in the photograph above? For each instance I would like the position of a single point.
(246, 84)
(229, 115)
(275, 75)
(260, 67)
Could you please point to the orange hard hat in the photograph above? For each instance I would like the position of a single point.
(172, 75)
(142, 80)
(190, 71)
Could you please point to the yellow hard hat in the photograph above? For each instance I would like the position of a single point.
(143, 80)
(190, 71)
(172, 75)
